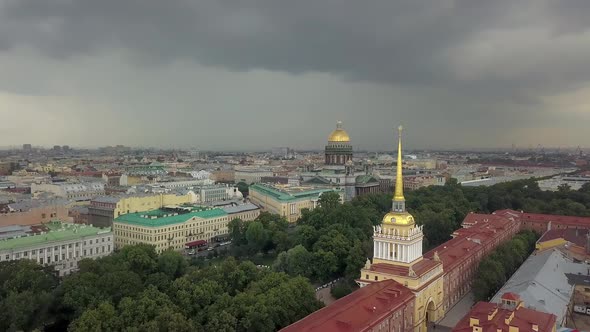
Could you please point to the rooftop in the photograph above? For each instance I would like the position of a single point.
(240, 208)
(169, 215)
(491, 317)
(57, 231)
(364, 307)
(541, 282)
(575, 236)
(289, 193)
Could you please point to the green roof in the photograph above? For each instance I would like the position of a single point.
(289, 196)
(58, 232)
(161, 217)
(366, 179)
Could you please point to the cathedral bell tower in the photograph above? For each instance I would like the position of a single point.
(398, 239)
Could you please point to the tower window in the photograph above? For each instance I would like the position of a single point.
(376, 278)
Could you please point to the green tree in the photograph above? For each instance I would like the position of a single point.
(329, 199)
(256, 236)
(243, 188)
(222, 321)
(172, 263)
(298, 261)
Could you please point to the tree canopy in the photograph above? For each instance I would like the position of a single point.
(136, 289)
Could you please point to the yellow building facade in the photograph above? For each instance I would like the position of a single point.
(165, 231)
(288, 201)
(397, 255)
(140, 203)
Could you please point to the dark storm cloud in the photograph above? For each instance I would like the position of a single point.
(401, 42)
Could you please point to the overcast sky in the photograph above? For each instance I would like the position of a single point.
(252, 74)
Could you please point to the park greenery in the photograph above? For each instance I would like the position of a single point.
(496, 268)
(330, 241)
(136, 289)
(334, 240)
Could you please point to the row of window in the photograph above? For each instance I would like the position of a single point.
(37, 254)
(185, 225)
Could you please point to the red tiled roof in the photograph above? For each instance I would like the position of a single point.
(510, 296)
(358, 311)
(555, 219)
(523, 319)
(575, 236)
(468, 241)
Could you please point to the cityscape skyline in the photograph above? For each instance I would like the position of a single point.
(232, 75)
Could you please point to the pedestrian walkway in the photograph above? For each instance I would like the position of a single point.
(457, 312)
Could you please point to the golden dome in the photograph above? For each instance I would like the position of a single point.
(339, 135)
(398, 218)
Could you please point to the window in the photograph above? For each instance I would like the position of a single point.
(376, 278)
(367, 276)
(69, 245)
(56, 258)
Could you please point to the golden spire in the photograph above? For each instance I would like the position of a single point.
(399, 181)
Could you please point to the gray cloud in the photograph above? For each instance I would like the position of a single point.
(479, 61)
(405, 42)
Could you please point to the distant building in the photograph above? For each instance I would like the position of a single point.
(275, 180)
(508, 316)
(214, 193)
(75, 191)
(287, 201)
(6, 168)
(250, 175)
(183, 183)
(280, 152)
(111, 180)
(58, 244)
(224, 176)
(27, 147)
(421, 181)
(104, 209)
(245, 212)
(339, 170)
(33, 213)
(57, 148)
